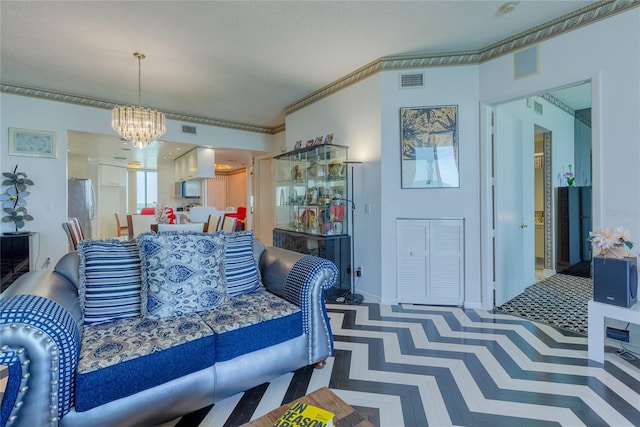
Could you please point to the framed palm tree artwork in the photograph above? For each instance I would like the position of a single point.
(429, 143)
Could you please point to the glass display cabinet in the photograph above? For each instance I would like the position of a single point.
(309, 218)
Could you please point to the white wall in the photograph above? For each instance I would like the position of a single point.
(581, 55)
(365, 116)
(578, 56)
(443, 86)
(47, 201)
(353, 116)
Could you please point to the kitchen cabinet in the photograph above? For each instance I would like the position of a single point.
(197, 163)
(113, 176)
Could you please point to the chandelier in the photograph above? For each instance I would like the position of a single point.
(138, 125)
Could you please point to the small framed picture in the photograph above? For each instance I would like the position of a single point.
(310, 143)
(32, 143)
(298, 145)
(328, 139)
(318, 141)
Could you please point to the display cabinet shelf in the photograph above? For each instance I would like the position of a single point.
(309, 218)
(307, 181)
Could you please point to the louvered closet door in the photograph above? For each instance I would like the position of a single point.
(446, 273)
(430, 261)
(413, 260)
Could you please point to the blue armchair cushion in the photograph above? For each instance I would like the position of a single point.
(110, 283)
(10, 374)
(240, 266)
(56, 322)
(124, 357)
(181, 272)
(257, 320)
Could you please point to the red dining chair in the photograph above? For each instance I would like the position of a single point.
(240, 215)
(149, 210)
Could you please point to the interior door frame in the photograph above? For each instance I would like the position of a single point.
(487, 176)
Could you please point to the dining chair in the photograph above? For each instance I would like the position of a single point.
(122, 230)
(213, 223)
(240, 214)
(229, 224)
(72, 234)
(78, 229)
(139, 224)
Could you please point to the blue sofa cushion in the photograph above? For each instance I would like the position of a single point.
(251, 322)
(110, 282)
(240, 266)
(124, 357)
(181, 272)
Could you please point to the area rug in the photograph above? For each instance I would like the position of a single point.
(560, 300)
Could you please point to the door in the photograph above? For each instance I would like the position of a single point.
(514, 207)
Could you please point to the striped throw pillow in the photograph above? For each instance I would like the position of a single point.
(110, 283)
(240, 266)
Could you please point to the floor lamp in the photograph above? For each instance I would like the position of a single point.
(352, 297)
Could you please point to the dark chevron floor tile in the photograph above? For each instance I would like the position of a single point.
(414, 365)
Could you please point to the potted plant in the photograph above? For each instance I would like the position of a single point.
(13, 199)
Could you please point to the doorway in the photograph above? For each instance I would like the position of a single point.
(543, 194)
(515, 210)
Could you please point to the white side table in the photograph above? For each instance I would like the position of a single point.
(597, 313)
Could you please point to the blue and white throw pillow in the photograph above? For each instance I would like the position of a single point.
(240, 266)
(182, 272)
(110, 283)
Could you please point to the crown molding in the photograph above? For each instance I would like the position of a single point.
(572, 21)
(109, 105)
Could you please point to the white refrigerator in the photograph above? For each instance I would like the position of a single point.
(81, 203)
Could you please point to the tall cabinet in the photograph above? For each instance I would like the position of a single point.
(574, 224)
(311, 217)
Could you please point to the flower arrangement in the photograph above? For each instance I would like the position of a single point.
(612, 243)
(13, 200)
(161, 214)
(570, 177)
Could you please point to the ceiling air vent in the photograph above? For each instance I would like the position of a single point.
(537, 107)
(189, 129)
(411, 80)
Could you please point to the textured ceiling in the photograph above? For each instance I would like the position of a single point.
(244, 63)
(236, 61)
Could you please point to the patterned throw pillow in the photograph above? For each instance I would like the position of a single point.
(181, 272)
(240, 266)
(110, 284)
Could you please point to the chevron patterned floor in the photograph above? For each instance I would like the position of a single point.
(415, 365)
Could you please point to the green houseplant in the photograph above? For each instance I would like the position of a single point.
(13, 199)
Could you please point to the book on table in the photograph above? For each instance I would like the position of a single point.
(305, 415)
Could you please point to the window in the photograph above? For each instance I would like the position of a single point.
(146, 189)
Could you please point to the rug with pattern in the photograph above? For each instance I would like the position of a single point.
(560, 300)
